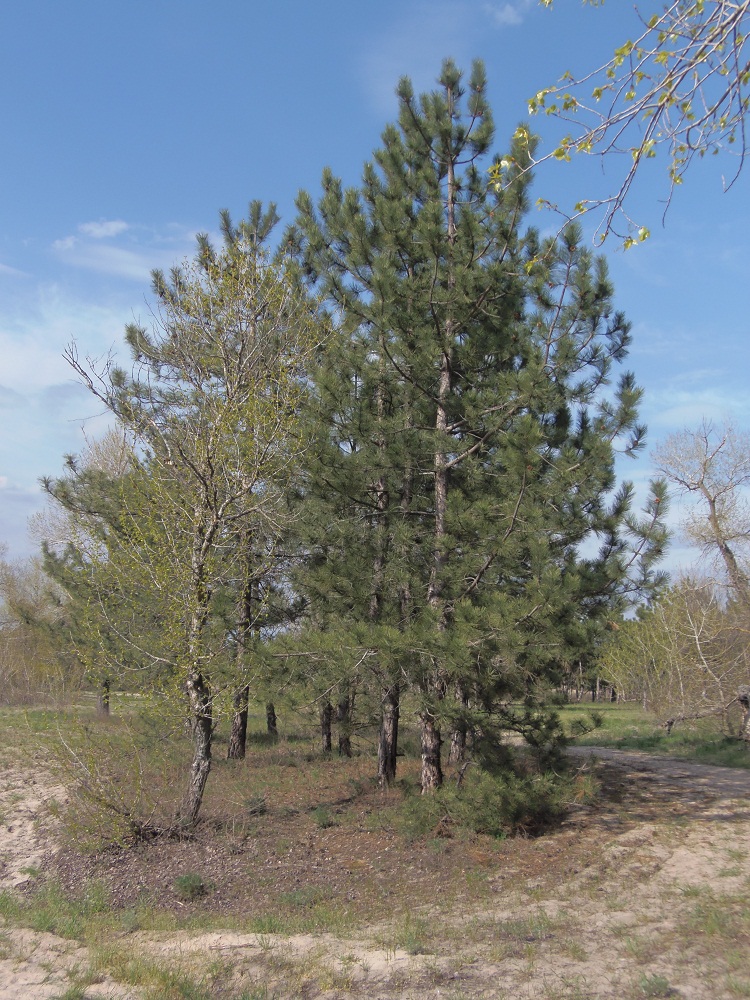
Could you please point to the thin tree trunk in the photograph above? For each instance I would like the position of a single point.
(743, 697)
(326, 717)
(102, 699)
(199, 695)
(432, 771)
(271, 723)
(344, 711)
(460, 733)
(238, 734)
(388, 736)
(737, 578)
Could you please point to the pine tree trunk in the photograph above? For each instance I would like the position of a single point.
(459, 736)
(432, 771)
(344, 711)
(388, 737)
(271, 724)
(326, 718)
(457, 753)
(238, 734)
(199, 696)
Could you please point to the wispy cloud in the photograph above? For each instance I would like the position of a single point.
(12, 271)
(103, 228)
(95, 247)
(507, 15)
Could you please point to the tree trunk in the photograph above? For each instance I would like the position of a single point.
(388, 737)
(326, 717)
(102, 699)
(271, 726)
(344, 722)
(459, 736)
(199, 695)
(743, 697)
(238, 734)
(432, 771)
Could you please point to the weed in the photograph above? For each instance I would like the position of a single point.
(302, 898)
(641, 949)
(575, 950)
(323, 818)
(189, 887)
(74, 992)
(409, 935)
(656, 986)
(269, 923)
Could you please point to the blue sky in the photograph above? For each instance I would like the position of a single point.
(127, 126)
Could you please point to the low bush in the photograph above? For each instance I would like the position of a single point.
(498, 805)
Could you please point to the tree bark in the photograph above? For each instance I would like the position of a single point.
(238, 734)
(460, 734)
(199, 696)
(432, 771)
(388, 736)
(271, 723)
(326, 717)
(743, 697)
(344, 711)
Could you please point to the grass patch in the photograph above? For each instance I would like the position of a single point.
(189, 887)
(628, 727)
(656, 986)
(49, 909)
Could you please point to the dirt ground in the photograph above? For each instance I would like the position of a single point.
(641, 895)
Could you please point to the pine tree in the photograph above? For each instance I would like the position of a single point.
(468, 425)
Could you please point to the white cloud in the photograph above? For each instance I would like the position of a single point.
(135, 261)
(103, 229)
(13, 271)
(118, 261)
(66, 243)
(35, 330)
(507, 15)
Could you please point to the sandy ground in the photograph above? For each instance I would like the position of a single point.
(614, 927)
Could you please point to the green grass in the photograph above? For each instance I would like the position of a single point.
(627, 727)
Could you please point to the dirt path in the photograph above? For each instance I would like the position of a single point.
(684, 778)
(642, 896)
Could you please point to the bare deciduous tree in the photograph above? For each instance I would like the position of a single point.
(711, 465)
(685, 658)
